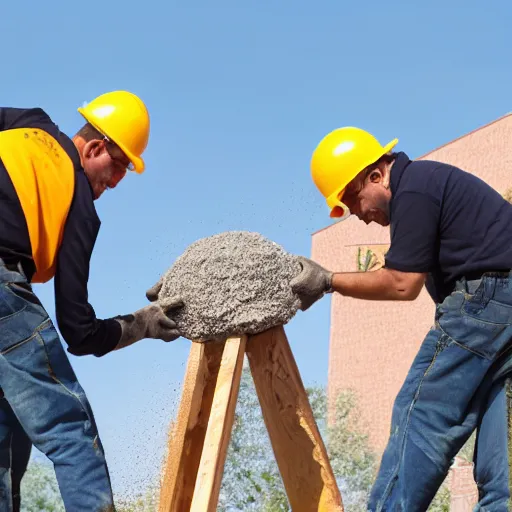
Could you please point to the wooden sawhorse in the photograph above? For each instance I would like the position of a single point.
(201, 434)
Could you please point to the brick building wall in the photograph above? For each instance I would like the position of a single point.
(374, 360)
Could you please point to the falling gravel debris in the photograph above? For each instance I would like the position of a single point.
(232, 283)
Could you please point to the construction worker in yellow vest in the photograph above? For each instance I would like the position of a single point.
(48, 228)
(452, 233)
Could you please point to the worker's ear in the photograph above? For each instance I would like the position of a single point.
(93, 148)
(376, 176)
(380, 174)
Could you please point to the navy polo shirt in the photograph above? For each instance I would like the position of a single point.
(446, 222)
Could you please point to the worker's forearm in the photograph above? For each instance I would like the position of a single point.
(98, 338)
(382, 284)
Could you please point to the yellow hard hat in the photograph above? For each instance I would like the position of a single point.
(123, 118)
(339, 157)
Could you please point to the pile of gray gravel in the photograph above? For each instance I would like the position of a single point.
(233, 283)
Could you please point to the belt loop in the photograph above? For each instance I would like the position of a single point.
(20, 269)
(488, 289)
(461, 285)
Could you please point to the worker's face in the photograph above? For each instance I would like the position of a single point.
(368, 195)
(104, 164)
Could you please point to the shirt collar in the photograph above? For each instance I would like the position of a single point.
(397, 170)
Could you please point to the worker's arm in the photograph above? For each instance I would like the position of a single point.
(83, 332)
(314, 281)
(383, 284)
(412, 254)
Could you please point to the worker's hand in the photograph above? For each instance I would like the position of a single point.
(152, 293)
(152, 321)
(312, 283)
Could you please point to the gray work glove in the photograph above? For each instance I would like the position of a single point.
(312, 283)
(151, 321)
(152, 293)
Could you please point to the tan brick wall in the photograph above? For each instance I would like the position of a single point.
(372, 344)
(463, 490)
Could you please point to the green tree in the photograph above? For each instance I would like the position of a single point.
(441, 501)
(251, 479)
(508, 195)
(353, 461)
(466, 452)
(39, 488)
(143, 502)
(40, 492)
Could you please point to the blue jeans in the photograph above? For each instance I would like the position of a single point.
(44, 405)
(458, 382)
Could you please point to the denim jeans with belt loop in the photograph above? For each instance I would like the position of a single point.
(458, 382)
(44, 405)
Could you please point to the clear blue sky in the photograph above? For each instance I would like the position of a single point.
(239, 94)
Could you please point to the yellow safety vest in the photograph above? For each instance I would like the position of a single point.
(43, 176)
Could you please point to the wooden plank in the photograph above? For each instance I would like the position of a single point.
(298, 447)
(218, 434)
(188, 431)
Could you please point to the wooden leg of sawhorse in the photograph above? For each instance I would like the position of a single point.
(203, 430)
(298, 447)
(201, 434)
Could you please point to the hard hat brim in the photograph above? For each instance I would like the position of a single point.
(337, 213)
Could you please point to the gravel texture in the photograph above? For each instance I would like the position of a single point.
(232, 283)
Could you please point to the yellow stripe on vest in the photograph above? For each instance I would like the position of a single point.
(44, 178)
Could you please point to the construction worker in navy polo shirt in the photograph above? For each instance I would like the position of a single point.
(451, 232)
(48, 228)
